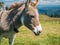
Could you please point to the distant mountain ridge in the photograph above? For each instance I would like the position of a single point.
(50, 10)
(48, 6)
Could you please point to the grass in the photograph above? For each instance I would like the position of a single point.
(49, 36)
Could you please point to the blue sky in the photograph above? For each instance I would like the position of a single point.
(41, 2)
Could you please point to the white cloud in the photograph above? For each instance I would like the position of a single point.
(53, 2)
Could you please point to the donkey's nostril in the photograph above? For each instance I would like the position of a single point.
(39, 31)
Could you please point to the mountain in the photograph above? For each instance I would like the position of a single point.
(50, 10)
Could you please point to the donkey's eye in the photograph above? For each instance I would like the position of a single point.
(32, 16)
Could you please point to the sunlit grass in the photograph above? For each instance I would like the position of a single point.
(49, 36)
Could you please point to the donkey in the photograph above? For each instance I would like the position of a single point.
(24, 14)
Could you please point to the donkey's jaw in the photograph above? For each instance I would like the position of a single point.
(37, 30)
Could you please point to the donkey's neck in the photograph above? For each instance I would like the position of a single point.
(18, 17)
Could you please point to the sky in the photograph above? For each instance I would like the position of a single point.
(49, 2)
(41, 2)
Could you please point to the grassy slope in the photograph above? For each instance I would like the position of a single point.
(49, 36)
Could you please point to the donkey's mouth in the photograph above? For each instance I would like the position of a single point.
(38, 33)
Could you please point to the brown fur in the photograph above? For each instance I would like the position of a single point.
(13, 6)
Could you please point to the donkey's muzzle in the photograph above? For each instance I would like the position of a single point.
(37, 30)
(37, 34)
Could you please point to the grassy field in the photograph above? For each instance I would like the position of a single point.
(49, 36)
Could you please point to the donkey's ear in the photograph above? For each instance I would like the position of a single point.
(34, 3)
(27, 3)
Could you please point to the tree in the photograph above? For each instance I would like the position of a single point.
(1, 4)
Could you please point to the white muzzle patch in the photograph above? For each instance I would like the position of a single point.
(37, 29)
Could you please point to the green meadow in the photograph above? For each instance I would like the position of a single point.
(50, 34)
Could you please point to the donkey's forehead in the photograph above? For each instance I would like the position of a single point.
(32, 11)
(31, 7)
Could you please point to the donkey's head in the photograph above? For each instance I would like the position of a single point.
(31, 17)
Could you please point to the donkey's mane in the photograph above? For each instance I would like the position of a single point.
(15, 5)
